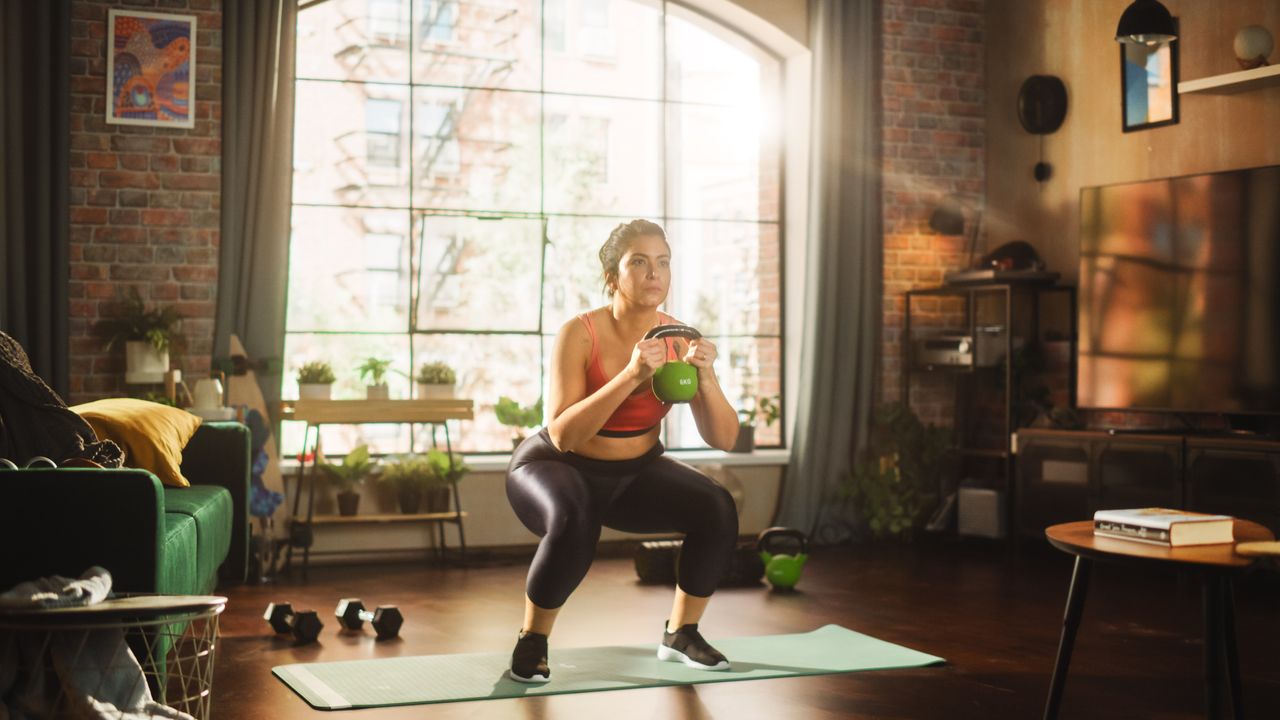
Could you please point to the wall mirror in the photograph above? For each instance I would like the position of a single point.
(1148, 85)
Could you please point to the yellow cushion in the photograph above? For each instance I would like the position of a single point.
(152, 435)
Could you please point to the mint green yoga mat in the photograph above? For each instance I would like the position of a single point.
(481, 676)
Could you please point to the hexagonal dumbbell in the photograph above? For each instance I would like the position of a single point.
(386, 619)
(305, 625)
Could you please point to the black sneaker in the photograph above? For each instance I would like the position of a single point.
(687, 645)
(529, 659)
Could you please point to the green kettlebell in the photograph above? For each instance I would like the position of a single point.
(677, 380)
(783, 571)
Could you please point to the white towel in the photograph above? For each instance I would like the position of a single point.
(57, 591)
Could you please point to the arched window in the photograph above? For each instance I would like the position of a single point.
(458, 163)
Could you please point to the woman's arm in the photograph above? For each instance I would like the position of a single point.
(716, 419)
(575, 416)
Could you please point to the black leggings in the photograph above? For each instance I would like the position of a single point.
(566, 498)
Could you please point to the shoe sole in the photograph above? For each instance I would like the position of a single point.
(673, 655)
(533, 680)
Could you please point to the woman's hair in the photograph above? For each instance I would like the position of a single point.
(613, 249)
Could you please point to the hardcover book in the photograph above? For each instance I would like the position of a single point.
(1163, 526)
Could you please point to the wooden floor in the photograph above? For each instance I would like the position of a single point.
(993, 616)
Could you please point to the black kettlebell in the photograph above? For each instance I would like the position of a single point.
(677, 380)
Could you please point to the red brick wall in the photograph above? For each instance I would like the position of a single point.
(144, 202)
(933, 137)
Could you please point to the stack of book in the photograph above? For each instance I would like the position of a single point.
(1162, 526)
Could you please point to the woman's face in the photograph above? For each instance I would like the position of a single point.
(644, 272)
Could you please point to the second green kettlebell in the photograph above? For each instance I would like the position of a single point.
(677, 380)
(782, 570)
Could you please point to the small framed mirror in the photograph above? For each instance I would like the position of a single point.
(1148, 85)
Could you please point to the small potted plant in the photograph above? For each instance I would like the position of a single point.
(435, 380)
(409, 476)
(518, 417)
(444, 475)
(147, 336)
(315, 380)
(761, 408)
(374, 372)
(347, 475)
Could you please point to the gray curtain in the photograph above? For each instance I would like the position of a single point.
(257, 179)
(843, 265)
(35, 138)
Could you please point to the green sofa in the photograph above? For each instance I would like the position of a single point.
(150, 537)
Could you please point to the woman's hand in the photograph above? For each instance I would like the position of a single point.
(646, 357)
(701, 354)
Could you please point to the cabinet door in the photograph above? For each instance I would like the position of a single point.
(1052, 483)
(1245, 484)
(1133, 473)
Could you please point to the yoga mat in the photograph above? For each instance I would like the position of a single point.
(481, 676)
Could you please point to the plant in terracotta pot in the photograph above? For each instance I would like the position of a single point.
(315, 380)
(147, 336)
(444, 475)
(409, 476)
(518, 417)
(760, 409)
(347, 475)
(373, 371)
(436, 380)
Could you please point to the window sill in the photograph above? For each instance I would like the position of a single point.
(498, 463)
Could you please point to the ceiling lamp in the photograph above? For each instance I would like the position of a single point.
(1146, 22)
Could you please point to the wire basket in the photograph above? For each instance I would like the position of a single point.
(124, 655)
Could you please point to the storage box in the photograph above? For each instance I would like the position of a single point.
(980, 512)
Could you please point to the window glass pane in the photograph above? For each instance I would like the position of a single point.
(345, 353)
(605, 47)
(573, 276)
(603, 156)
(488, 367)
(354, 40)
(746, 368)
(478, 274)
(476, 150)
(477, 43)
(348, 149)
(721, 164)
(708, 63)
(349, 270)
(725, 276)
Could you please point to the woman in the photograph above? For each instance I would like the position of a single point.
(600, 463)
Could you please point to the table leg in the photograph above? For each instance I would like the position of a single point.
(1228, 628)
(1070, 624)
(1213, 636)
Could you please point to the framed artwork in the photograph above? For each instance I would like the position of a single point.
(1148, 85)
(151, 67)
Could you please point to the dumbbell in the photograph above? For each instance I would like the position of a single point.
(386, 619)
(304, 624)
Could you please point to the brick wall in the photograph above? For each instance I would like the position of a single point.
(144, 202)
(933, 137)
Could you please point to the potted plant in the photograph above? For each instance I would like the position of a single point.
(444, 474)
(409, 476)
(315, 380)
(435, 380)
(374, 372)
(147, 336)
(762, 408)
(348, 474)
(518, 417)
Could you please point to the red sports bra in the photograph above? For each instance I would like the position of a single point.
(641, 410)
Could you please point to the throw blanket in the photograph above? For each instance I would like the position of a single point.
(89, 674)
(35, 421)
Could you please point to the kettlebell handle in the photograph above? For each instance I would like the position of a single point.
(769, 534)
(672, 330)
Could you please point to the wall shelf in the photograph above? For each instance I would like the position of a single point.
(1232, 83)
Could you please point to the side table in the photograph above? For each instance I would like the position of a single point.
(173, 639)
(1216, 564)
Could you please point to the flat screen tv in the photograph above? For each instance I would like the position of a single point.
(1179, 294)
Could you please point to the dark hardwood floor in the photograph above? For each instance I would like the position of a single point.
(996, 618)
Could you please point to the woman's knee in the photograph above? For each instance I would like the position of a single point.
(721, 511)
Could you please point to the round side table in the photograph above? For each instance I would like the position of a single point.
(1216, 564)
